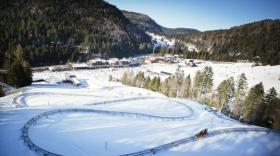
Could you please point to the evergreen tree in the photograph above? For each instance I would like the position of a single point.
(197, 83)
(225, 95)
(276, 115)
(185, 91)
(125, 78)
(179, 76)
(19, 73)
(240, 95)
(252, 110)
(172, 83)
(157, 84)
(147, 83)
(208, 80)
(270, 102)
(203, 82)
(164, 88)
(138, 80)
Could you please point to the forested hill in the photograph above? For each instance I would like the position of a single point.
(57, 31)
(258, 41)
(148, 24)
(143, 22)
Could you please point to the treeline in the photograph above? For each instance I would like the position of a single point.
(180, 50)
(231, 97)
(258, 41)
(54, 32)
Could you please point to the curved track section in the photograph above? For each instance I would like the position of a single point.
(33, 121)
(32, 146)
(19, 100)
(194, 138)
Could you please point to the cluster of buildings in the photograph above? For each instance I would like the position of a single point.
(111, 62)
(117, 63)
(169, 59)
(91, 64)
(162, 59)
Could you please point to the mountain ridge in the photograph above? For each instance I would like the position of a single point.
(54, 32)
(148, 24)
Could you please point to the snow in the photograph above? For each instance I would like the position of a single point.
(162, 41)
(81, 133)
(79, 65)
(191, 47)
(268, 75)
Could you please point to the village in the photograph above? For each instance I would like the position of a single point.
(98, 63)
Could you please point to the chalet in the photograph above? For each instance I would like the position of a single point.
(124, 61)
(113, 61)
(72, 78)
(76, 66)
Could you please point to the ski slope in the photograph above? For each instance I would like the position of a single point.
(107, 118)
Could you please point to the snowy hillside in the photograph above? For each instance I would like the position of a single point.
(162, 41)
(103, 118)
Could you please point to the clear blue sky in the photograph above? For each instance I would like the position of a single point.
(203, 14)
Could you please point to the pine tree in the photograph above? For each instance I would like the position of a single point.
(276, 115)
(147, 83)
(208, 80)
(185, 91)
(138, 80)
(225, 95)
(19, 73)
(130, 76)
(270, 102)
(197, 83)
(157, 84)
(252, 110)
(172, 83)
(125, 78)
(203, 82)
(240, 95)
(164, 88)
(179, 76)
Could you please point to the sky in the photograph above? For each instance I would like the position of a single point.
(203, 14)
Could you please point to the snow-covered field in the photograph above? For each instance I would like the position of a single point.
(87, 133)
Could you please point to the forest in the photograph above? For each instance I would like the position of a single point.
(55, 32)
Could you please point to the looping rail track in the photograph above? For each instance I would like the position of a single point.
(32, 146)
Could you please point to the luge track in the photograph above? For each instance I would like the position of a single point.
(32, 146)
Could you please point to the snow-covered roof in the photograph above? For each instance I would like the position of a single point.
(79, 65)
(124, 60)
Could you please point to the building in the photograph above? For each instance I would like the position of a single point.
(124, 61)
(151, 59)
(72, 78)
(76, 66)
(97, 61)
(113, 61)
